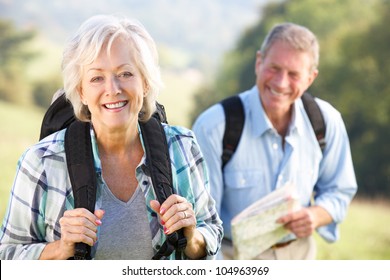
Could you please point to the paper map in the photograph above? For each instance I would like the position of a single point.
(254, 230)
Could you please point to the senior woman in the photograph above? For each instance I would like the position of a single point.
(111, 77)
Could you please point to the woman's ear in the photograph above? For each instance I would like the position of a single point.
(82, 99)
(146, 88)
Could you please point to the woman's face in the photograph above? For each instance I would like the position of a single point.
(113, 89)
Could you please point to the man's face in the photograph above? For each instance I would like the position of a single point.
(282, 77)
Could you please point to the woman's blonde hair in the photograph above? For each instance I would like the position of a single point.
(97, 33)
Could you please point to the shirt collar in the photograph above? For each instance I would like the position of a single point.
(297, 122)
(95, 151)
(259, 120)
(96, 157)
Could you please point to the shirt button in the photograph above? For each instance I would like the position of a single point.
(275, 146)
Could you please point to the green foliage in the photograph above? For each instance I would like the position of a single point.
(43, 91)
(366, 99)
(13, 58)
(353, 74)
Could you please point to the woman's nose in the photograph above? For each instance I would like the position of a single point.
(113, 86)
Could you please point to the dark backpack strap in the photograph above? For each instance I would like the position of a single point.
(58, 116)
(81, 169)
(160, 113)
(235, 118)
(159, 165)
(316, 119)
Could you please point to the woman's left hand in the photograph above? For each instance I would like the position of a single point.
(176, 213)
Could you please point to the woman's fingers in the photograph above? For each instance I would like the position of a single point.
(176, 213)
(80, 225)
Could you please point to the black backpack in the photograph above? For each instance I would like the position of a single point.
(82, 173)
(235, 118)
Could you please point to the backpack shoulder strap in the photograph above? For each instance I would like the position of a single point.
(316, 118)
(159, 165)
(79, 159)
(235, 118)
(58, 116)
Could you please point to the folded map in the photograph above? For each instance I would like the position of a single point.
(255, 229)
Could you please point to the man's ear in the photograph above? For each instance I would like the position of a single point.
(312, 77)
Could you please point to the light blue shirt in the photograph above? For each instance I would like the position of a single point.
(261, 164)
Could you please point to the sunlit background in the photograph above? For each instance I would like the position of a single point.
(207, 51)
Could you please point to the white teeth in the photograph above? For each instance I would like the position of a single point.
(116, 105)
(276, 93)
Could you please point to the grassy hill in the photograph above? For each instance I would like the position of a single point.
(365, 235)
(20, 127)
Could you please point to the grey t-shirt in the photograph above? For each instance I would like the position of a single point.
(125, 231)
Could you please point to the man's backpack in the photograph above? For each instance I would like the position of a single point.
(78, 150)
(235, 118)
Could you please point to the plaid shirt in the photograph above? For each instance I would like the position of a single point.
(42, 192)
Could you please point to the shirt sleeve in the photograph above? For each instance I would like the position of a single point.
(191, 178)
(40, 195)
(208, 130)
(336, 185)
(22, 233)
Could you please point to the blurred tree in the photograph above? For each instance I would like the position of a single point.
(354, 36)
(365, 89)
(13, 58)
(44, 90)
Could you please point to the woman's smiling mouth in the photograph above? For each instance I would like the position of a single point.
(116, 105)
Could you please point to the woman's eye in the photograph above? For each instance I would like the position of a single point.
(96, 79)
(125, 75)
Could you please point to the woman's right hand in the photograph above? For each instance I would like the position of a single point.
(77, 225)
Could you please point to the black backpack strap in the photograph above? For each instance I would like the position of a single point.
(316, 119)
(235, 118)
(81, 169)
(160, 113)
(159, 165)
(58, 116)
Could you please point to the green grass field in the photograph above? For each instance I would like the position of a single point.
(19, 128)
(365, 234)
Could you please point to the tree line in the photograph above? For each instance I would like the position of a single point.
(16, 55)
(353, 76)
